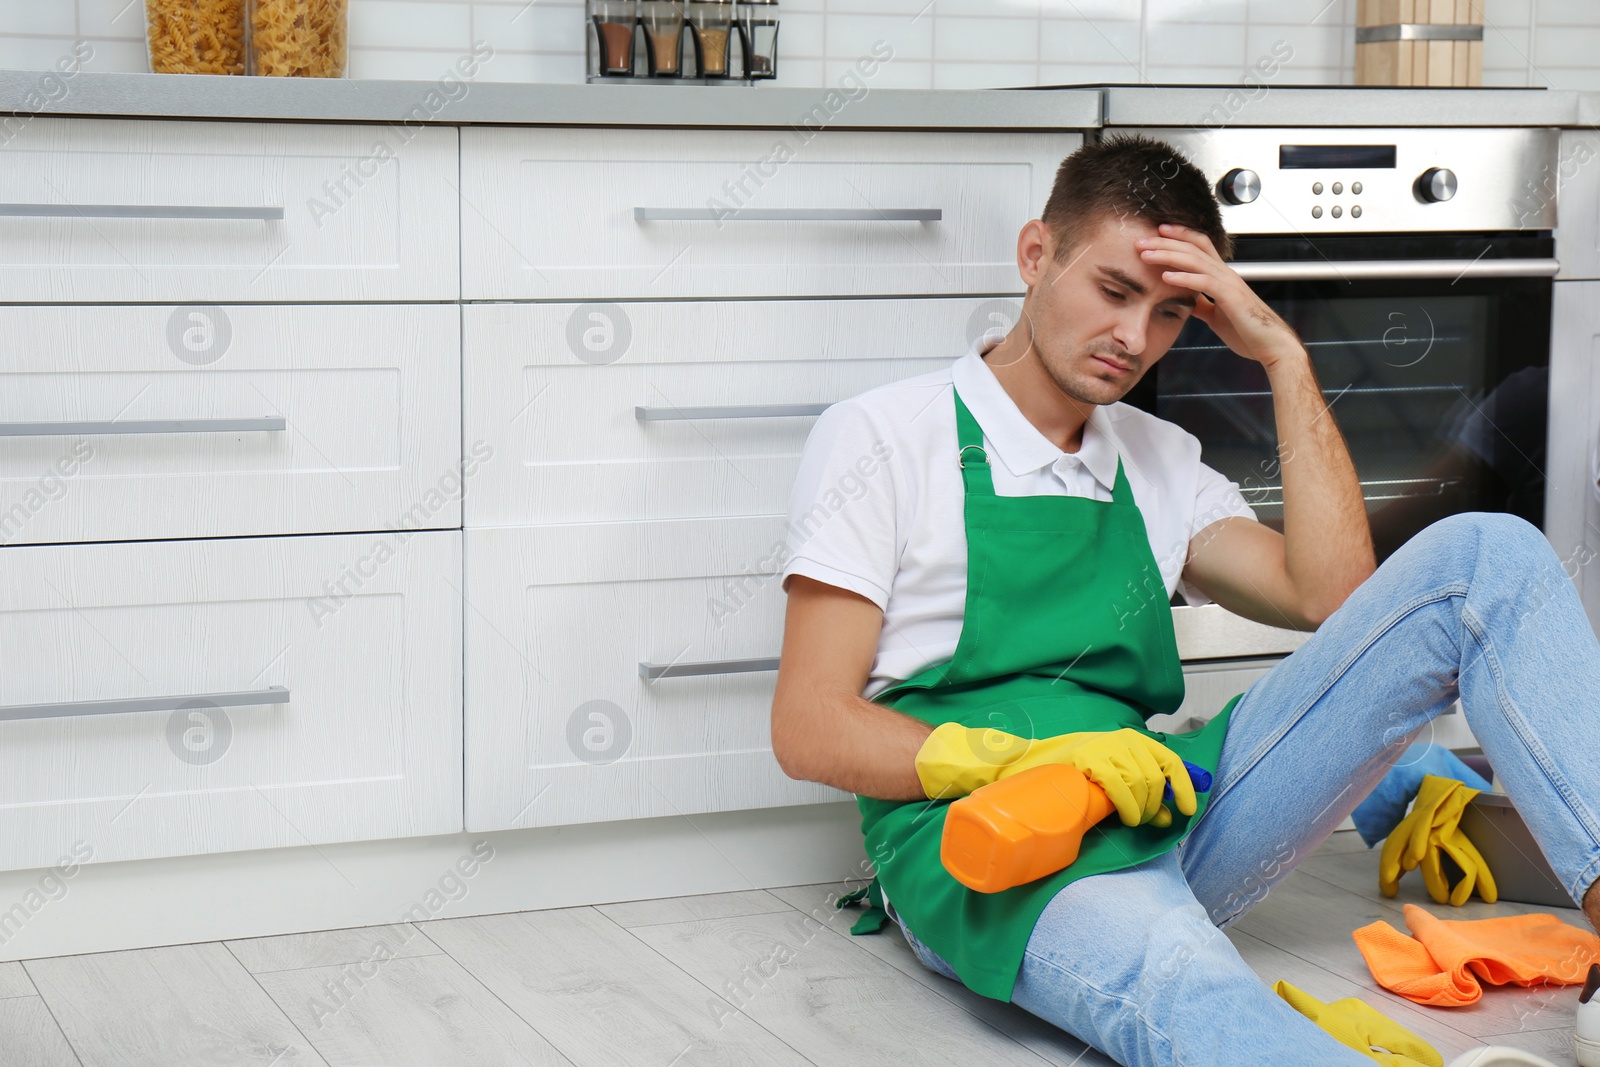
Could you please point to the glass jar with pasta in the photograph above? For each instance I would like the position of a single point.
(299, 38)
(195, 36)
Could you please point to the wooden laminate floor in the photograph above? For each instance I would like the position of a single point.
(762, 977)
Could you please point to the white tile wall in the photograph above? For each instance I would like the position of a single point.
(937, 43)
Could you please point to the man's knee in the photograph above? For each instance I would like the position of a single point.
(1177, 939)
(1470, 537)
(1485, 527)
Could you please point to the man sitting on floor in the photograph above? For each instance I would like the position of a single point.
(1006, 580)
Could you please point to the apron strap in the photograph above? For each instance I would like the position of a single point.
(974, 460)
(1121, 492)
(874, 917)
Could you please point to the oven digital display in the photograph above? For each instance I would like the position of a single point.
(1328, 156)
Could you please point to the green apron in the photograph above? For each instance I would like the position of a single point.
(1067, 628)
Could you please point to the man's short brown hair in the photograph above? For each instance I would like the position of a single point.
(1131, 174)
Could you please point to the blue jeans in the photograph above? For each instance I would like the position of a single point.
(1476, 606)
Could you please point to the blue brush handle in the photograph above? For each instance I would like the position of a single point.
(1198, 775)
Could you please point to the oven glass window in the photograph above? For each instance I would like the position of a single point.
(1440, 391)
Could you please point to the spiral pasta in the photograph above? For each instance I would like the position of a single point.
(195, 36)
(299, 38)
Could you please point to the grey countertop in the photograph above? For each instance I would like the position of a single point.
(1063, 107)
(1295, 105)
(350, 100)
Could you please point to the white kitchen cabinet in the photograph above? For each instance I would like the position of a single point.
(677, 409)
(234, 468)
(129, 422)
(1208, 686)
(565, 624)
(98, 210)
(178, 697)
(594, 214)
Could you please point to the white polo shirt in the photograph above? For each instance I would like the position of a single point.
(878, 503)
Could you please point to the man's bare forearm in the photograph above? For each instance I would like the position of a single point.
(841, 739)
(1327, 538)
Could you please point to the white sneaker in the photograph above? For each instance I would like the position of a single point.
(1499, 1056)
(1586, 1042)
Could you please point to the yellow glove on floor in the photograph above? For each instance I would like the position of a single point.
(1431, 831)
(1132, 768)
(1475, 872)
(1356, 1024)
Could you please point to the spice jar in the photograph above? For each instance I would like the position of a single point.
(195, 36)
(614, 22)
(299, 38)
(712, 22)
(758, 28)
(663, 36)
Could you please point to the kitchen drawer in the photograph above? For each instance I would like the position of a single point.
(113, 209)
(289, 419)
(561, 725)
(599, 213)
(1208, 686)
(678, 409)
(179, 697)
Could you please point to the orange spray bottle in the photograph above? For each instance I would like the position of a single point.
(1027, 826)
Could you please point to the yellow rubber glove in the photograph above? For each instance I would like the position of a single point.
(1132, 768)
(1430, 831)
(1447, 839)
(1357, 1025)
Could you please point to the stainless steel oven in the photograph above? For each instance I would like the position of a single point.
(1417, 266)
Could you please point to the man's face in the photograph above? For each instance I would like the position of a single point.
(1101, 315)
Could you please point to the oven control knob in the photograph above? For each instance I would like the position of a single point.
(1240, 186)
(1437, 184)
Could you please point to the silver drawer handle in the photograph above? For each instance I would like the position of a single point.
(651, 671)
(137, 211)
(44, 429)
(748, 411)
(790, 214)
(1366, 270)
(272, 694)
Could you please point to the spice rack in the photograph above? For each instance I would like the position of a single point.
(681, 42)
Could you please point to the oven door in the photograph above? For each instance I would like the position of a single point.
(1433, 352)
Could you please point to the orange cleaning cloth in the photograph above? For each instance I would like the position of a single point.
(1446, 961)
